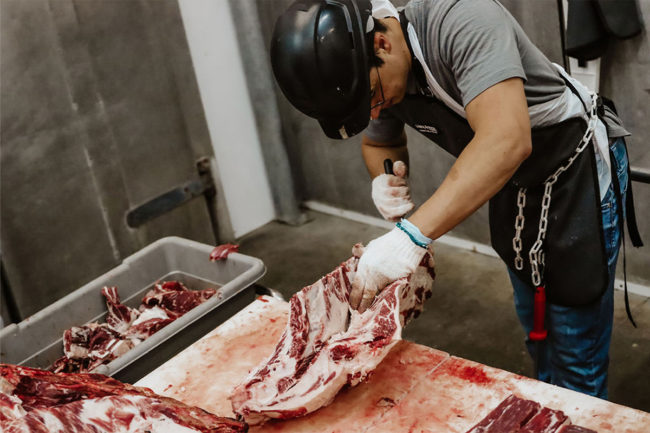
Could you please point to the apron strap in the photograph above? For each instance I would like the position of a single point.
(633, 229)
(632, 226)
(427, 83)
(418, 71)
(570, 85)
(619, 210)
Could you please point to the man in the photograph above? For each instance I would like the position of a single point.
(527, 137)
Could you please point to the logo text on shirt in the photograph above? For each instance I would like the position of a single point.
(426, 129)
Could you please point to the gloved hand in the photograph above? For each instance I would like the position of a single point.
(385, 259)
(391, 193)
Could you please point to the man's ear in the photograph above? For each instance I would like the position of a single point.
(382, 43)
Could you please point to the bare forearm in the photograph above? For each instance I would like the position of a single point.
(499, 118)
(477, 175)
(374, 154)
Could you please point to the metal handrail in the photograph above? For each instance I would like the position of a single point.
(640, 175)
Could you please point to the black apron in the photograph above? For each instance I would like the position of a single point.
(575, 271)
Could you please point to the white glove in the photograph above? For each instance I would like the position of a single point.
(391, 193)
(385, 259)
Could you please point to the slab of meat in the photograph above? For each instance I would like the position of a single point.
(517, 415)
(509, 417)
(221, 252)
(326, 346)
(88, 346)
(545, 421)
(74, 403)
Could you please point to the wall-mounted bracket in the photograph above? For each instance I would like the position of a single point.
(204, 186)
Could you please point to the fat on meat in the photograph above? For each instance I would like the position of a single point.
(10, 408)
(119, 316)
(327, 345)
(85, 347)
(546, 420)
(174, 299)
(35, 401)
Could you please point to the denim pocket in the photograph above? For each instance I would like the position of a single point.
(620, 162)
(611, 230)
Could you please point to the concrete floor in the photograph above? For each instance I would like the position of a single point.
(471, 313)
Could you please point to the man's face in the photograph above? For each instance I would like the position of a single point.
(388, 81)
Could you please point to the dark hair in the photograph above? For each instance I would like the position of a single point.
(374, 59)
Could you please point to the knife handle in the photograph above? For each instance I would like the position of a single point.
(388, 166)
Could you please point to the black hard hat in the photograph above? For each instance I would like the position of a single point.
(319, 53)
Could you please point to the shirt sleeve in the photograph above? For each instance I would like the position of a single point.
(386, 127)
(478, 43)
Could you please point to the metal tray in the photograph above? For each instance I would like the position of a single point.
(37, 340)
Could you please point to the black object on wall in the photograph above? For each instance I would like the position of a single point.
(6, 296)
(592, 24)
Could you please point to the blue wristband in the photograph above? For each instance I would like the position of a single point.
(414, 233)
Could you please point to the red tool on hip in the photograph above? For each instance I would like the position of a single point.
(539, 333)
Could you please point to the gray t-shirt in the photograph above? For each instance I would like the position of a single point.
(469, 46)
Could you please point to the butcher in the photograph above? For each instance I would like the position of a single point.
(548, 154)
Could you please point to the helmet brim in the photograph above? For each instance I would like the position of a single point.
(346, 127)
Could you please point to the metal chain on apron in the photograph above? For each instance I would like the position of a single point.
(519, 226)
(536, 254)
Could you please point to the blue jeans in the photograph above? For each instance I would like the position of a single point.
(575, 354)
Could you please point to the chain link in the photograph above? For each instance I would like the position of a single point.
(536, 254)
(519, 226)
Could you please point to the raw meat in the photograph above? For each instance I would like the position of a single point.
(220, 252)
(119, 316)
(545, 421)
(174, 298)
(10, 408)
(516, 415)
(71, 403)
(88, 346)
(326, 345)
(509, 417)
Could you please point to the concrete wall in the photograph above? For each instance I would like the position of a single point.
(333, 171)
(100, 112)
